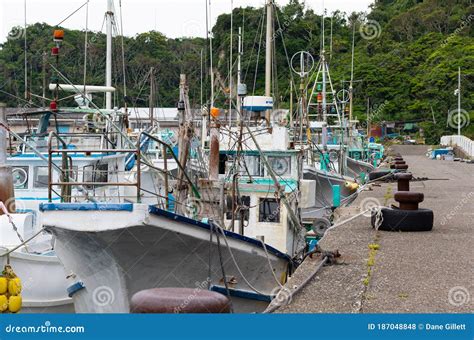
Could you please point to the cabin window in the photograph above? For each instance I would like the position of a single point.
(269, 210)
(244, 203)
(101, 173)
(254, 166)
(20, 177)
(96, 174)
(281, 166)
(41, 177)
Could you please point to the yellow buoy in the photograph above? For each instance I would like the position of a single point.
(14, 303)
(14, 286)
(3, 285)
(3, 303)
(351, 185)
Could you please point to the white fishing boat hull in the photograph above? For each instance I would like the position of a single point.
(43, 277)
(118, 250)
(356, 167)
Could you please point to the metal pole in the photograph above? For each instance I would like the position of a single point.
(26, 55)
(351, 88)
(239, 73)
(231, 60)
(152, 95)
(459, 102)
(165, 166)
(108, 68)
(268, 55)
(3, 136)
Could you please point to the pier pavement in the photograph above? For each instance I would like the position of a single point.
(425, 272)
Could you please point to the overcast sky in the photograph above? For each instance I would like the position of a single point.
(174, 18)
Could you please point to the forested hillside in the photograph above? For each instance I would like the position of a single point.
(406, 61)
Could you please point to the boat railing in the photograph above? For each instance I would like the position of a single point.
(96, 177)
(167, 149)
(66, 179)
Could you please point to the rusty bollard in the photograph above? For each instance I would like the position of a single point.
(179, 301)
(409, 200)
(403, 180)
(399, 166)
(408, 216)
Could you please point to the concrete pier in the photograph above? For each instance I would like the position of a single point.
(425, 272)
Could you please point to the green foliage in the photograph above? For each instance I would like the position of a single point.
(410, 66)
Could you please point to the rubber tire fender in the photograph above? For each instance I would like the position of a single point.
(378, 173)
(405, 220)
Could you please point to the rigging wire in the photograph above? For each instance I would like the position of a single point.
(70, 15)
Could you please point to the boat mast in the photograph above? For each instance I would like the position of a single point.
(108, 68)
(324, 103)
(239, 72)
(268, 56)
(26, 57)
(231, 60)
(351, 88)
(214, 112)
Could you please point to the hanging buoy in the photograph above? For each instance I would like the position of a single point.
(10, 289)
(3, 285)
(14, 303)
(351, 185)
(14, 286)
(3, 303)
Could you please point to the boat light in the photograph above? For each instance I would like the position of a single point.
(215, 112)
(58, 35)
(53, 106)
